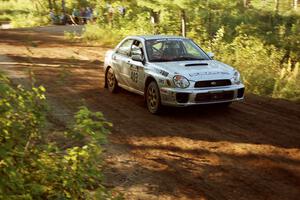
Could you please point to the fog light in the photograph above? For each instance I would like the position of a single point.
(169, 82)
(241, 92)
(182, 97)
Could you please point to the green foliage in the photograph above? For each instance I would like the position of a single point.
(287, 85)
(103, 35)
(108, 36)
(260, 64)
(24, 13)
(257, 62)
(28, 20)
(32, 167)
(72, 36)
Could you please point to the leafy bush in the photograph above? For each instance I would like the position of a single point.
(109, 36)
(28, 20)
(72, 36)
(24, 13)
(287, 85)
(31, 166)
(101, 35)
(260, 65)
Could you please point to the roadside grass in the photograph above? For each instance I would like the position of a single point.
(94, 34)
(109, 37)
(72, 36)
(28, 20)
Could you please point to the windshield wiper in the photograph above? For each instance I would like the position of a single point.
(159, 60)
(188, 58)
(177, 59)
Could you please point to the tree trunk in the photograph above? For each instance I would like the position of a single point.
(50, 4)
(154, 17)
(208, 20)
(247, 3)
(155, 21)
(54, 5)
(276, 6)
(63, 6)
(295, 4)
(183, 23)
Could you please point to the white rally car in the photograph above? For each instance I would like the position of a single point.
(170, 70)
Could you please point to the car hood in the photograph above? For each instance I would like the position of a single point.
(198, 70)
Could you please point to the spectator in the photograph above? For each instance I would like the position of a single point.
(63, 19)
(88, 14)
(52, 16)
(76, 15)
(122, 10)
(110, 14)
(82, 15)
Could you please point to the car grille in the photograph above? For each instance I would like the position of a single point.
(212, 83)
(207, 97)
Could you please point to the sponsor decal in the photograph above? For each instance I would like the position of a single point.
(208, 73)
(164, 73)
(213, 83)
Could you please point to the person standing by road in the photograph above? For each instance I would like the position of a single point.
(52, 16)
(76, 15)
(83, 15)
(88, 14)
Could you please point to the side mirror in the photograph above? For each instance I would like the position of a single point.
(211, 55)
(137, 58)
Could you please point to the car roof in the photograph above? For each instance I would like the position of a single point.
(153, 37)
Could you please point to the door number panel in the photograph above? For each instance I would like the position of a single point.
(134, 75)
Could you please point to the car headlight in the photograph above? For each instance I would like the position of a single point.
(236, 77)
(181, 81)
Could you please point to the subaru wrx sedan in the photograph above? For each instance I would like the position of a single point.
(170, 71)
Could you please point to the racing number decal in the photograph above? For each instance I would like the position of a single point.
(134, 74)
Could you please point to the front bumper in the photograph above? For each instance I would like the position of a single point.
(197, 96)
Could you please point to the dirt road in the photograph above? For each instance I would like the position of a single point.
(249, 151)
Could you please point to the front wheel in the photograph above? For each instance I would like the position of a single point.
(153, 98)
(111, 81)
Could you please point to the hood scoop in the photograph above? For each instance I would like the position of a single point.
(196, 64)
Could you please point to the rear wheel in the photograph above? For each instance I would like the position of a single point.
(111, 81)
(153, 98)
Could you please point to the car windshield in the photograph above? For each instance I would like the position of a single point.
(167, 50)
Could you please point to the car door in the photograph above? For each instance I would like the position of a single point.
(136, 68)
(121, 61)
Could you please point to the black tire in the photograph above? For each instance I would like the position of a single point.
(111, 81)
(153, 100)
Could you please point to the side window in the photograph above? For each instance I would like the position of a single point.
(191, 49)
(124, 49)
(158, 46)
(137, 48)
(154, 49)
